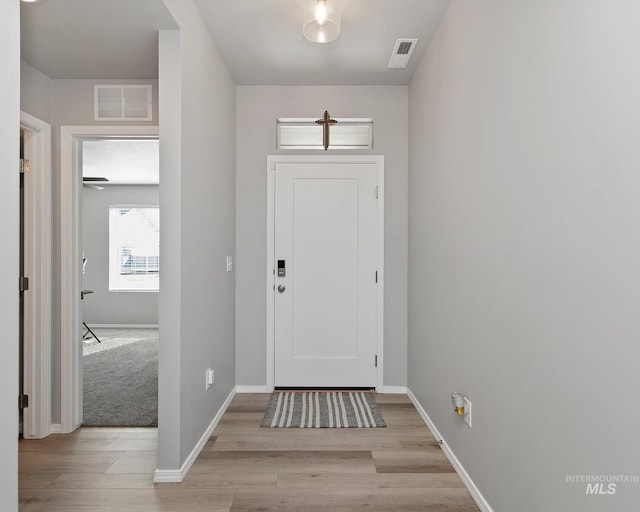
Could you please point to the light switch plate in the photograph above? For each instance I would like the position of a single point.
(467, 412)
(229, 264)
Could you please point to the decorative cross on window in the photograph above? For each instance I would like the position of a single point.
(326, 122)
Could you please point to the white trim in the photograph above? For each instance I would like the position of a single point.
(395, 390)
(251, 389)
(123, 326)
(37, 301)
(178, 475)
(71, 260)
(272, 160)
(477, 496)
(117, 290)
(56, 428)
(381, 276)
(271, 345)
(70, 278)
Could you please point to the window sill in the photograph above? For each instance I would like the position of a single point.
(133, 291)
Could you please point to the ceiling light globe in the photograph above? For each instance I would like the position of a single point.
(317, 32)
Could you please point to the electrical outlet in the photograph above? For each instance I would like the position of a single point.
(467, 412)
(229, 264)
(208, 375)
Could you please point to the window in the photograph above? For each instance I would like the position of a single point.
(134, 248)
(307, 134)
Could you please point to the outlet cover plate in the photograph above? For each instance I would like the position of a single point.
(467, 412)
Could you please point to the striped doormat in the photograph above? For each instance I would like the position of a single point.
(325, 409)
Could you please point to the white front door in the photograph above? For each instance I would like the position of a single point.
(326, 262)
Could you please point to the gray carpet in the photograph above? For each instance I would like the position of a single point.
(322, 409)
(121, 380)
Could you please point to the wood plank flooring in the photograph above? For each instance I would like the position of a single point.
(245, 468)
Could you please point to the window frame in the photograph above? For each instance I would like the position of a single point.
(292, 122)
(115, 276)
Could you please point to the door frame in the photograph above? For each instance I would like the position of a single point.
(37, 267)
(71, 260)
(272, 161)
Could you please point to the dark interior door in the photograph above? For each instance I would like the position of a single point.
(21, 400)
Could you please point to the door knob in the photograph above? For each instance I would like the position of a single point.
(281, 288)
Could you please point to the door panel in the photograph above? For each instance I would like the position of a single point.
(325, 218)
(326, 232)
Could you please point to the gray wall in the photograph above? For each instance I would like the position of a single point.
(63, 102)
(197, 200)
(257, 110)
(72, 105)
(524, 246)
(105, 307)
(9, 188)
(35, 92)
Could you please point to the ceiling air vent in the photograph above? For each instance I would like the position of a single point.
(403, 48)
(402, 53)
(122, 103)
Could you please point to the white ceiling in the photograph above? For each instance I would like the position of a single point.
(122, 161)
(97, 39)
(261, 40)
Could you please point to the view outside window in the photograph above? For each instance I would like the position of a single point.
(134, 248)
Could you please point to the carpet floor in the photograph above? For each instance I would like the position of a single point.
(121, 379)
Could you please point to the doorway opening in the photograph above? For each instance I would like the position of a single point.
(72, 278)
(120, 281)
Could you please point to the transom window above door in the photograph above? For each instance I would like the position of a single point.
(305, 133)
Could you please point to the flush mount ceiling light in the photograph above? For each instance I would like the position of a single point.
(324, 27)
(90, 182)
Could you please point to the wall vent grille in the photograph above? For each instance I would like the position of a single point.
(122, 103)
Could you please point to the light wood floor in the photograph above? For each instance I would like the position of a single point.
(247, 468)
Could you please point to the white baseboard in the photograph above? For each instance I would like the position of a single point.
(169, 476)
(251, 389)
(178, 475)
(56, 428)
(123, 326)
(396, 390)
(464, 476)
